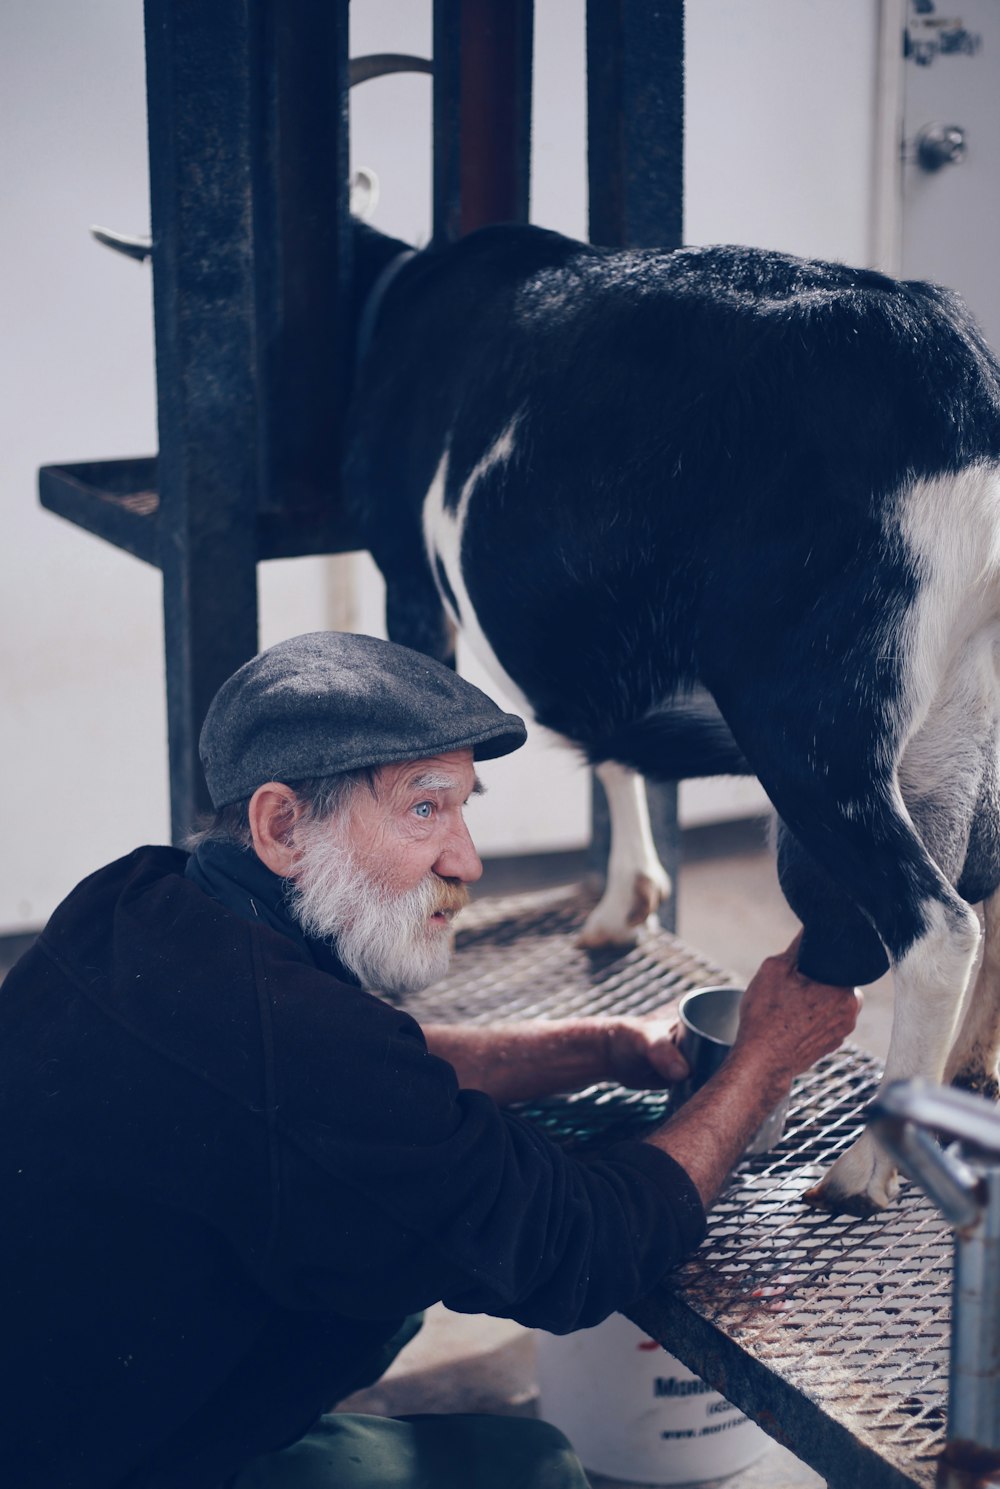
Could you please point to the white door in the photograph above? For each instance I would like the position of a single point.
(951, 152)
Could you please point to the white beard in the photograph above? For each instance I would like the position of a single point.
(385, 939)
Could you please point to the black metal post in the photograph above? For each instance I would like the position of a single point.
(199, 100)
(635, 123)
(248, 183)
(299, 152)
(252, 193)
(635, 152)
(446, 154)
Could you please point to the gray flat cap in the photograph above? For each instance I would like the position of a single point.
(331, 701)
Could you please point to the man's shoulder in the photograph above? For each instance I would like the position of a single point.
(145, 864)
(140, 924)
(136, 972)
(316, 1012)
(142, 894)
(206, 986)
(161, 958)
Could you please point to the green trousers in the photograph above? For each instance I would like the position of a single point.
(346, 1451)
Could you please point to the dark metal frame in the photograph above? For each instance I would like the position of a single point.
(248, 185)
(247, 111)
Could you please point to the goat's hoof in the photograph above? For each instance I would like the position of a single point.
(824, 1197)
(613, 922)
(597, 934)
(861, 1182)
(979, 1082)
(648, 895)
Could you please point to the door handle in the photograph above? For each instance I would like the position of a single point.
(939, 145)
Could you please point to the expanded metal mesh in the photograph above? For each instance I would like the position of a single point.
(855, 1314)
(852, 1315)
(517, 958)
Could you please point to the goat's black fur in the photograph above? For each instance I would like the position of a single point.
(693, 557)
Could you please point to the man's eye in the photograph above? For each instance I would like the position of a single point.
(424, 808)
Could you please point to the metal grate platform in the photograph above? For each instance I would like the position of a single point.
(833, 1332)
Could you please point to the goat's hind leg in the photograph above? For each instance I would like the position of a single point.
(973, 1059)
(972, 1062)
(637, 882)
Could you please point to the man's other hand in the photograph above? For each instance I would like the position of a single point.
(643, 1053)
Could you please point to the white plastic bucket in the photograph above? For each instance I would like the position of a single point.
(633, 1412)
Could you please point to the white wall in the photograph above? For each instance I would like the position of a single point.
(82, 717)
(779, 144)
(950, 218)
(780, 124)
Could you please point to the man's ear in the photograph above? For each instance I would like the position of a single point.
(273, 811)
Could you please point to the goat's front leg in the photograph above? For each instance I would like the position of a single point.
(637, 882)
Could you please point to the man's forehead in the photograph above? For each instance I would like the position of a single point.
(454, 771)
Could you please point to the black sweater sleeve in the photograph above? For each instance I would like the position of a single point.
(398, 1190)
(609, 1229)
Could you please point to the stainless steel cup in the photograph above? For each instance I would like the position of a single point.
(709, 1019)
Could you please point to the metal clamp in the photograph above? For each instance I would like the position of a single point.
(963, 1180)
(900, 1117)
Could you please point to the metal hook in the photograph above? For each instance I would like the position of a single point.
(132, 247)
(378, 64)
(967, 1191)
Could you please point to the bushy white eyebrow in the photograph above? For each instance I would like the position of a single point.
(439, 780)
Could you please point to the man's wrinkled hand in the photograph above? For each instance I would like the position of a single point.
(643, 1053)
(788, 1021)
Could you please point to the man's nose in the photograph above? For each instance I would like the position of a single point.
(458, 858)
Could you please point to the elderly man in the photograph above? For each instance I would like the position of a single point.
(232, 1173)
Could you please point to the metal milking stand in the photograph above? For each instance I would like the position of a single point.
(250, 248)
(964, 1182)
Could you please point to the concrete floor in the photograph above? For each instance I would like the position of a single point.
(730, 908)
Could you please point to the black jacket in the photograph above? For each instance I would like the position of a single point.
(229, 1175)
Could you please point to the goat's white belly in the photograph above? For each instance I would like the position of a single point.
(951, 527)
(637, 881)
(443, 542)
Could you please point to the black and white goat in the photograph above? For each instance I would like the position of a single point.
(721, 511)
